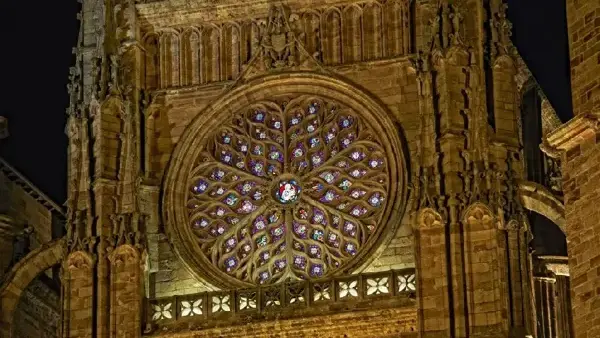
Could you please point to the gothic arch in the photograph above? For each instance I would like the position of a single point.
(125, 283)
(537, 198)
(187, 152)
(25, 271)
(428, 219)
(484, 263)
(480, 214)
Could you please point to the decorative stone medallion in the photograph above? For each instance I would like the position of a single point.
(284, 186)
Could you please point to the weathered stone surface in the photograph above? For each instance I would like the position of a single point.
(154, 80)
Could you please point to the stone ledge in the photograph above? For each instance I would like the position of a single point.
(168, 13)
(378, 321)
(571, 134)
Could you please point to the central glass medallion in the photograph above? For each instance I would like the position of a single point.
(288, 191)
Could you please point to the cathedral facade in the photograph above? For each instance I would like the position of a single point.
(305, 169)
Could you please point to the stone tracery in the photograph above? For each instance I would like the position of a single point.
(288, 188)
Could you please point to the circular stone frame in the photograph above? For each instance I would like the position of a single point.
(187, 150)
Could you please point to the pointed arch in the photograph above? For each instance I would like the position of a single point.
(428, 218)
(478, 216)
(431, 269)
(373, 31)
(537, 198)
(484, 265)
(210, 54)
(311, 26)
(125, 285)
(77, 293)
(332, 44)
(230, 56)
(249, 41)
(190, 46)
(170, 58)
(21, 275)
(393, 29)
(352, 33)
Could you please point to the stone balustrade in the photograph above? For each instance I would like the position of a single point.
(389, 289)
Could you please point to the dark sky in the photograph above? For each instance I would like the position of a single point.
(36, 55)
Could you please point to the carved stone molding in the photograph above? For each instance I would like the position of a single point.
(558, 265)
(79, 260)
(558, 269)
(480, 216)
(571, 134)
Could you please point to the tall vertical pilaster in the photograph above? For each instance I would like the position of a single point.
(466, 171)
(576, 144)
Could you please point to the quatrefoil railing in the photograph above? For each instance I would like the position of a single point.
(208, 309)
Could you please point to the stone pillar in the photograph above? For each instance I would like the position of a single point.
(564, 318)
(545, 304)
(7, 236)
(432, 275)
(553, 300)
(558, 269)
(576, 143)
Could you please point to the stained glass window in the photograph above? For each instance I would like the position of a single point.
(288, 189)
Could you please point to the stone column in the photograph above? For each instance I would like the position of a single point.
(558, 268)
(7, 236)
(546, 306)
(553, 299)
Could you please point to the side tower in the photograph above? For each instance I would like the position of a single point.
(262, 156)
(575, 143)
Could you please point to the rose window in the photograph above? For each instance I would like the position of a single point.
(288, 189)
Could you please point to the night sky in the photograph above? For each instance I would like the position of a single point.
(36, 55)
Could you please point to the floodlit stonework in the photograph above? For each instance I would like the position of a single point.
(303, 169)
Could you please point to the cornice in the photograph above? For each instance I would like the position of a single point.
(172, 13)
(571, 134)
(19, 179)
(558, 269)
(558, 265)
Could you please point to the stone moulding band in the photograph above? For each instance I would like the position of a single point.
(280, 84)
